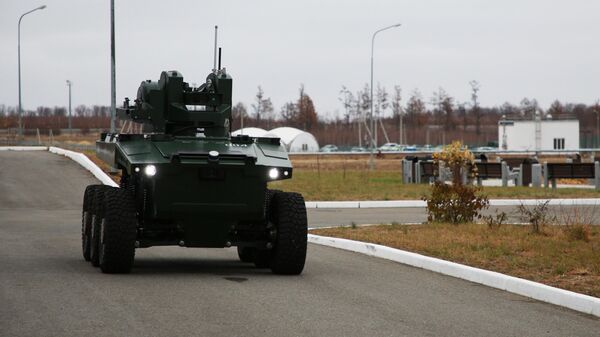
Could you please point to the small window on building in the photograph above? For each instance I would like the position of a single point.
(304, 147)
(559, 143)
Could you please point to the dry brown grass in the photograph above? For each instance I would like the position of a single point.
(116, 176)
(337, 184)
(76, 138)
(554, 258)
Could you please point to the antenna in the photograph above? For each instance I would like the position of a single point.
(219, 58)
(215, 54)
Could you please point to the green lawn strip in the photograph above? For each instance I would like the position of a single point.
(551, 258)
(387, 185)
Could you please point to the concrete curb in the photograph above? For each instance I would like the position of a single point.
(86, 163)
(23, 148)
(541, 292)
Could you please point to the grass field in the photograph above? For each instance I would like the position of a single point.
(552, 258)
(387, 185)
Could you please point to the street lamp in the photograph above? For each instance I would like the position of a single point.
(69, 83)
(19, 61)
(113, 86)
(373, 123)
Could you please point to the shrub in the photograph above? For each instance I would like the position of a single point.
(578, 222)
(494, 222)
(455, 202)
(538, 216)
(578, 232)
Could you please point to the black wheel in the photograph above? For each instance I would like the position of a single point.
(246, 254)
(86, 220)
(118, 232)
(288, 214)
(97, 211)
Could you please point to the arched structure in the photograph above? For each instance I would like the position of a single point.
(295, 140)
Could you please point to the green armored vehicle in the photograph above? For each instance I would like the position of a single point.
(186, 182)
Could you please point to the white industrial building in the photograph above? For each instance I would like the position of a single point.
(540, 135)
(294, 140)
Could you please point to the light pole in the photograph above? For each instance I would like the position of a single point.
(19, 61)
(373, 123)
(113, 90)
(69, 83)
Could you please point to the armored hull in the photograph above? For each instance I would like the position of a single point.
(185, 181)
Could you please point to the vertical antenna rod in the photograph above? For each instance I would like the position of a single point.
(219, 58)
(215, 54)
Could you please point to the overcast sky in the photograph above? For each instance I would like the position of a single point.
(515, 48)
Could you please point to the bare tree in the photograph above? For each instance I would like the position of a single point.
(475, 110)
(556, 109)
(347, 100)
(397, 112)
(443, 108)
(528, 108)
(80, 110)
(289, 113)
(381, 105)
(238, 112)
(415, 107)
(306, 110)
(263, 108)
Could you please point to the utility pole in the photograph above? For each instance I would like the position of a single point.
(69, 83)
(373, 124)
(113, 99)
(20, 131)
(597, 108)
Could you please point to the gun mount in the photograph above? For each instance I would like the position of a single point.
(172, 107)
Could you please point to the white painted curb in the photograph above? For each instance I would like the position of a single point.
(23, 148)
(84, 161)
(582, 303)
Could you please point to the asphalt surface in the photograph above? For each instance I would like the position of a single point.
(46, 289)
(324, 217)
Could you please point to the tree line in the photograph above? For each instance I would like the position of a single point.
(416, 119)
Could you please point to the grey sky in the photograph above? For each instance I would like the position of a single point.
(538, 49)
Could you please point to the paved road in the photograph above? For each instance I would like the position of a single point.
(46, 289)
(324, 217)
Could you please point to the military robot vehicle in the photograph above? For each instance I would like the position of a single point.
(185, 181)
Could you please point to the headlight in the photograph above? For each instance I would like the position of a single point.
(150, 170)
(273, 173)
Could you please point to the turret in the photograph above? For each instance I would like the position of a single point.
(171, 106)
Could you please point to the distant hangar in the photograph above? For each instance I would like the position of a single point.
(294, 140)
